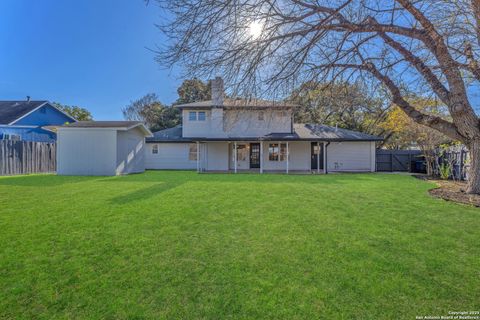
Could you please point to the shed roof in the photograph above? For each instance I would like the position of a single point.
(103, 124)
(12, 110)
(118, 125)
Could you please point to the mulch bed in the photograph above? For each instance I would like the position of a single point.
(452, 191)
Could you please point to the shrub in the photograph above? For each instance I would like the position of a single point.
(445, 170)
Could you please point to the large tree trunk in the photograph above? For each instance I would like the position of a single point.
(474, 172)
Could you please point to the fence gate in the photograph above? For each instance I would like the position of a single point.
(23, 157)
(398, 160)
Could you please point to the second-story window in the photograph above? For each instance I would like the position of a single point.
(192, 116)
(261, 116)
(201, 116)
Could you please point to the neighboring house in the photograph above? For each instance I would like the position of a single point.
(101, 148)
(265, 138)
(25, 120)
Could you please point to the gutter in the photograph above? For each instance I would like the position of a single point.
(326, 157)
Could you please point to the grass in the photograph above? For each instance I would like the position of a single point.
(183, 245)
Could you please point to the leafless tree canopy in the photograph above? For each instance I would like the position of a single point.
(428, 46)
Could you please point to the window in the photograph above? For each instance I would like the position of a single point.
(155, 149)
(201, 116)
(192, 152)
(277, 152)
(273, 152)
(9, 136)
(261, 116)
(192, 116)
(242, 152)
(283, 152)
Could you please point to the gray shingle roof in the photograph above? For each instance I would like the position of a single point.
(239, 103)
(327, 133)
(114, 125)
(12, 110)
(169, 135)
(302, 132)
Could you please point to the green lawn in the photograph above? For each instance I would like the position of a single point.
(214, 246)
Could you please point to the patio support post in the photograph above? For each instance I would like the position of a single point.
(198, 156)
(261, 156)
(235, 155)
(324, 158)
(318, 157)
(288, 154)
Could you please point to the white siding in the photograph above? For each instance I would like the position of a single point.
(350, 156)
(130, 151)
(86, 151)
(299, 157)
(217, 156)
(246, 123)
(196, 128)
(169, 156)
(236, 123)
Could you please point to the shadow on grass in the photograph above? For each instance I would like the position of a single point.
(145, 193)
(267, 178)
(44, 180)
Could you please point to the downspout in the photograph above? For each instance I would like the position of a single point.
(326, 158)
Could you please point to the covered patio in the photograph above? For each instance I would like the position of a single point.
(260, 155)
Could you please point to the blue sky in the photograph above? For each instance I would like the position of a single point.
(91, 53)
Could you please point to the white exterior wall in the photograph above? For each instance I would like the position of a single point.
(246, 123)
(197, 128)
(216, 156)
(86, 151)
(169, 156)
(299, 157)
(351, 156)
(130, 151)
(220, 123)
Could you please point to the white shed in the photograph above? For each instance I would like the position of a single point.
(101, 148)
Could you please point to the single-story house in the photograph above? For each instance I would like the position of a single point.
(101, 148)
(27, 120)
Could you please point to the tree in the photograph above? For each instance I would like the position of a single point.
(79, 113)
(152, 112)
(406, 132)
(349, 106)
(193, 90)
(429, 46)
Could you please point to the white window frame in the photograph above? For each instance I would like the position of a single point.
(155, 148)
(12, 136)
(242, 152)
(204, 115)
(281, 152)
(190, 114)
(192, 152)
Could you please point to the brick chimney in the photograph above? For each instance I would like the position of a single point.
(217, 92)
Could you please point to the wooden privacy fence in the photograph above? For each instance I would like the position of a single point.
(24, 157)
(399, 160)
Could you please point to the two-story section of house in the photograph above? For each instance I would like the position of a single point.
(255, 135)
(27, 120)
